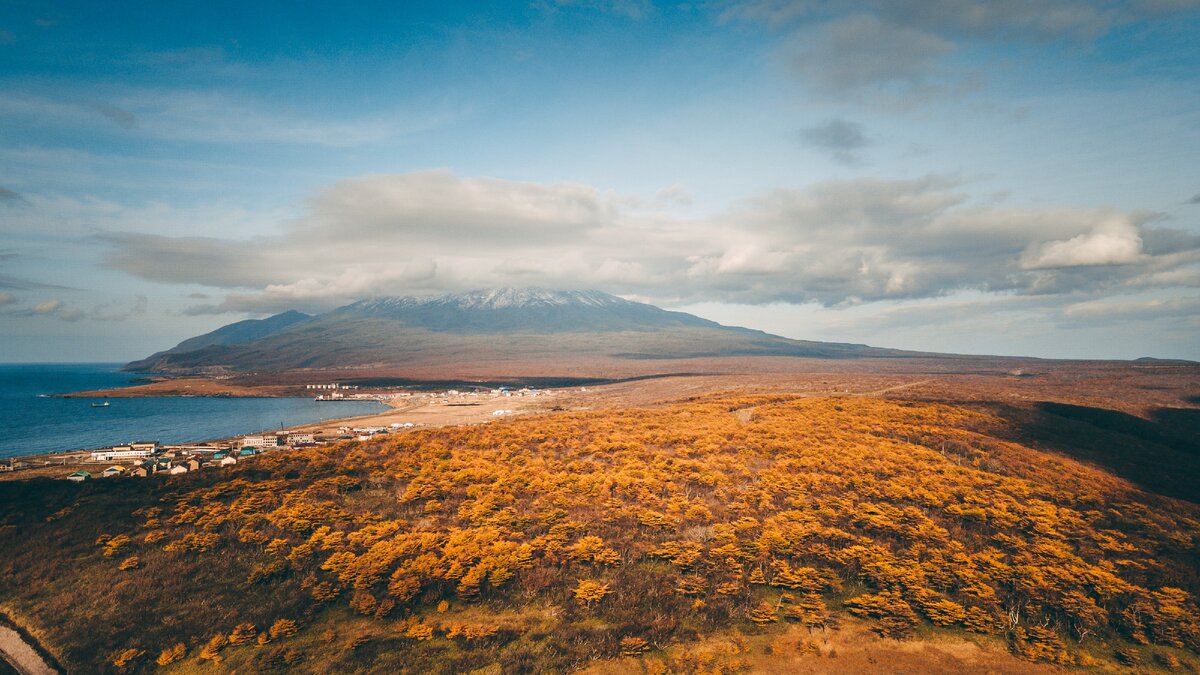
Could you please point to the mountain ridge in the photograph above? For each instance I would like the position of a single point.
(238, 332)
(514, 310)
(489, 324)
(498, 298)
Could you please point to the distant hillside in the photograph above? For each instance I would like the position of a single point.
(490, 325)
(235, 333)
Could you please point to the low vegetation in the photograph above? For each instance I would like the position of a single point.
(552, 542)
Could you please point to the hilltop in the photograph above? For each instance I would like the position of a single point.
(500, 325)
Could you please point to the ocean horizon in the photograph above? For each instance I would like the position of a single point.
(37, 421)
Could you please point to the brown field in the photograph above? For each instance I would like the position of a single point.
(1069, 490)
(1156, 392)
(1142, 390)
(1124, 385)
(850, 648)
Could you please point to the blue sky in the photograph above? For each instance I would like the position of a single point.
(1008, 177)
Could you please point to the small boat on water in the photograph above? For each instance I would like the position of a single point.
(100, 405)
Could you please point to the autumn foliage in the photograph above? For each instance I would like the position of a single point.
(663, 523)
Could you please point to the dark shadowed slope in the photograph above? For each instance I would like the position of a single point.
(1160, 454)
(492, 325)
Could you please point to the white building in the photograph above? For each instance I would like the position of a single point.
(260, 441)
(121, 452)
(202, 449)
(301, 439)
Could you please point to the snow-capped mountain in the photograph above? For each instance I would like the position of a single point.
(494, 325)
(522, 310)
(497, 298)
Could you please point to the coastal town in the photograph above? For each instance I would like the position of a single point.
(140, 459)
(407, 409)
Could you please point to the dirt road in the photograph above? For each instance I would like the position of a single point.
(21, 655)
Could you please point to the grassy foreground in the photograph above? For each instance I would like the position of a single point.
(566, 541)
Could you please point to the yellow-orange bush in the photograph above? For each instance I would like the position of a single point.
(904, 512)
(589, 592)
(282, 628)
(171, 654)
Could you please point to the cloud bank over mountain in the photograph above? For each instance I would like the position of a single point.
(834, 243)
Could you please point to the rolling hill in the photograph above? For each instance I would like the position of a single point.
(486, 325)
(722, 534)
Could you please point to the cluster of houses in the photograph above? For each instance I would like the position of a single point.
(336, 391)
(367, 433)
(148, 458)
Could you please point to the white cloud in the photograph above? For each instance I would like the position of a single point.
(48, 307)
(433, 204)
(319, 293)
(1126, 309)
(835, 243)
(1156, 314)
(1112, 243)
(59, 309)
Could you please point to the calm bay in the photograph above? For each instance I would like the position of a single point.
(34, 421)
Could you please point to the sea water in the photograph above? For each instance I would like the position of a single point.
(34, 421)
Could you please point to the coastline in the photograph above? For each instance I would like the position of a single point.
(1089, 382)
(192, 386)
(410, 410)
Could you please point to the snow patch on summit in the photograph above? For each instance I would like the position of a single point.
(498, 298)
(502, 298)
